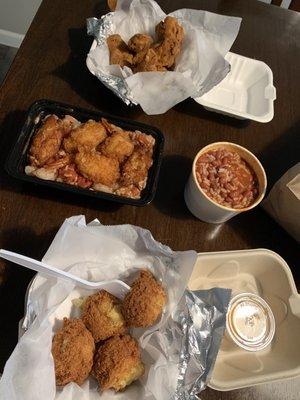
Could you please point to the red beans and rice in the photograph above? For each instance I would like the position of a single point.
(226, 178)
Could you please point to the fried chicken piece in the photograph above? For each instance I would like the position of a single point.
(135, 169)
(102, 316)
(86, 136)
(171, 35)
(147, 61)
(73, 350)
(118, 363)
(118, 145)
(98, 168)
(46, 141)
(118, 51)
(145, 301)
(140, 42)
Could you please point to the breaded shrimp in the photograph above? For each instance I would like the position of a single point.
(73, 350)
(118, 363)
(118, 145)
(98, 168)
(102, 316)
(145, 301)
(87, 136)
(46, 141)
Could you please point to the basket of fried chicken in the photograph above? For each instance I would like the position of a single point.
(156, 60)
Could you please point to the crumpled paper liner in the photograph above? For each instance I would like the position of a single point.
(178, 351)
(200, 66)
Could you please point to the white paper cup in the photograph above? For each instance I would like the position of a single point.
(202, 206)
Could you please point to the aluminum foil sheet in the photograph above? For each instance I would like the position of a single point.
(201, 320)
(100, 29)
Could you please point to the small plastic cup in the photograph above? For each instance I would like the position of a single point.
(250, 322)
(206, 209)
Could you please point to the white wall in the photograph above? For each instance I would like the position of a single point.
(15, 19)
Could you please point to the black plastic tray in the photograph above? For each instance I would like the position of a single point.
(17, 160)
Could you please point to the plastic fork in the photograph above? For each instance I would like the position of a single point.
(116, 287)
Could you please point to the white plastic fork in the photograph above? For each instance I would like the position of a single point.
(116, 287)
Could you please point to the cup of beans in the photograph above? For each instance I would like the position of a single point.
(226, 179)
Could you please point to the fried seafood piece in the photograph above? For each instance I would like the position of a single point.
(102, 316)
(46, 141)
(69, 123)
(111, 128)
(118, 145)
(171, 35)
(118, 363)
(135, 169)
(73, 350)
(86, 136)
(140, 42)
(145, 301)
(118, 51)
(98, 168)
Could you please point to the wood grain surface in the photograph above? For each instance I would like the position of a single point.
(51, 64)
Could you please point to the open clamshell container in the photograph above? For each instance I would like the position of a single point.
(17, 160)
(247, 92)
(266, 274)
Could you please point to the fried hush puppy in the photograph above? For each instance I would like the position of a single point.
(98, 168)
(145, 301)
(87, 136)
(73, 350)
(102, 316)
(118, 363)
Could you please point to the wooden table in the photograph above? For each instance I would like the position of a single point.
(51, 64)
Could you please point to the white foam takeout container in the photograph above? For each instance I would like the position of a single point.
(247, 92)
(265, 273)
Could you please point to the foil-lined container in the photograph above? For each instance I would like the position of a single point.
(199, 67)
(198, 325)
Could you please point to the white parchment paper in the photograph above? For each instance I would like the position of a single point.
(199, 67)
(97, 252)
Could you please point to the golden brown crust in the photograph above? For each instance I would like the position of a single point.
(118, 363)
(73, 350)
(102, 316)
(98, 168)
(140, 42)
(171, 35)
(119, 51)
(135, 169)
(145, 301)
(87, 137)
(118, 145)
(46, 141)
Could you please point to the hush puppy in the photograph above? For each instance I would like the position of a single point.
(117, 363)
(73, 350)
(102, 316)
(145, 301)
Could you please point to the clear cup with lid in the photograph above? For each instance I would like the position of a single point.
(250, 322)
